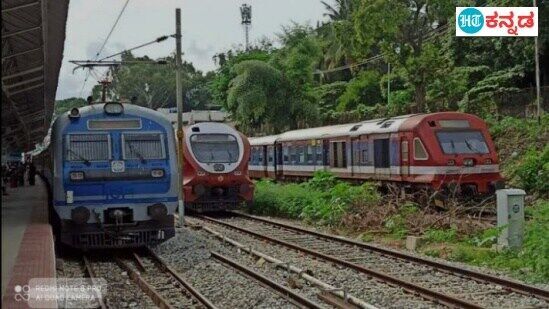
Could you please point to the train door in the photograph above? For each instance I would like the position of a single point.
(264, 160)
(381, 156)
(278, 164)
(404, 157)
(326, 154)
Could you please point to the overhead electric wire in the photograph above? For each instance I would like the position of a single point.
(157, 40)
(105, 43)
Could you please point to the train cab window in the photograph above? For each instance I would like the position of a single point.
(462, 142)
(143, 146)
(215, 148)
(419, 150)
(88, 147)
(404, 150)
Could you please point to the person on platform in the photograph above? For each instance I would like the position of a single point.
(21, 169)
(5, 179)
(32, 173)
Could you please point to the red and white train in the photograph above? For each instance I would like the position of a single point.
(215, 172)
(438, 150)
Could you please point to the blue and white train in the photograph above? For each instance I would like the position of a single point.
(113, 176)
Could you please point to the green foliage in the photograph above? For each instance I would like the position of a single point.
(363, 89)
(523, 151)
(530, 262)
(440, 235)
(62, 106)
(322, 200)
(533, 171)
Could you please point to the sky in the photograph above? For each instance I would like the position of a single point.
(208, 27)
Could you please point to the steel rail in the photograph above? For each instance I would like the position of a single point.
(91, 274)
(286, 293)
(194, 292)
(426, 293)
(158, 300)
(518, 287)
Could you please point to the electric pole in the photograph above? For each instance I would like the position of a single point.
(246, 14)
(388, 83)
(179, 97)
(538, 90)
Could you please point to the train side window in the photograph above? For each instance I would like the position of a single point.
(302, 152)
(260, 156)
(364, 155)
(270, 154)
(404, 150)
(419, 150)
(319, 154)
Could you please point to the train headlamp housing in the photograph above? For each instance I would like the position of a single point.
(157, 173)
(451, 162)
(74, 113)
(80, 215)
(113, 108)
(468, 162)
(157, 211)
(199, 189)
(488, 161)
(76, 176)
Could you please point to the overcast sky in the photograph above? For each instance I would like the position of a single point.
(208, 26)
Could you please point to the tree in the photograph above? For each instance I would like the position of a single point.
(62, 106)
(153, 85)
(402, 28)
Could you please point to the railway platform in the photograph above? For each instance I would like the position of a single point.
(27, 241)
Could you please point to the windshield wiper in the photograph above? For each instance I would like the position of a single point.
(136, 152)
(86, 161)
(453, 146)
(470, 146)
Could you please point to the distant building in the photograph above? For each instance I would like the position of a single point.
(196, 116)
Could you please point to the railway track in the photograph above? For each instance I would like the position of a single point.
(438, 282)
(163, 287)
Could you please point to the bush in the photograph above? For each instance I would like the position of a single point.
(533, 171)
(323, 199)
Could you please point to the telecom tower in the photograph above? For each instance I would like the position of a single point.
(246, 14)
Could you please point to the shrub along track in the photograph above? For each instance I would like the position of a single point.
(443, 283)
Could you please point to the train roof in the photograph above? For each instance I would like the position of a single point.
(380, 125)
(263, 140)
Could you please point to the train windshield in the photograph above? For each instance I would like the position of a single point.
(215, 148)
(462, 142)
(87, 147)
(143, 146)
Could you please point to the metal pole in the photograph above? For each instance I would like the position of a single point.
(538, 90)
(388, 83)
(179, 96)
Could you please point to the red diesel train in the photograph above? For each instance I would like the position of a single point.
(438, 150)
(215, 174)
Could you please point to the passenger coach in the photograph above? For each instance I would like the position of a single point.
(438, 150)
(114, 178)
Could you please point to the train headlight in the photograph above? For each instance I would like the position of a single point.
(157, 173)
(199, 190)
(77, 176)
(113, 108)
(238, 173)
(468, 162)
(451, 162)
(157, 211)
(80, 215)
(74, 113)
(488, 161)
